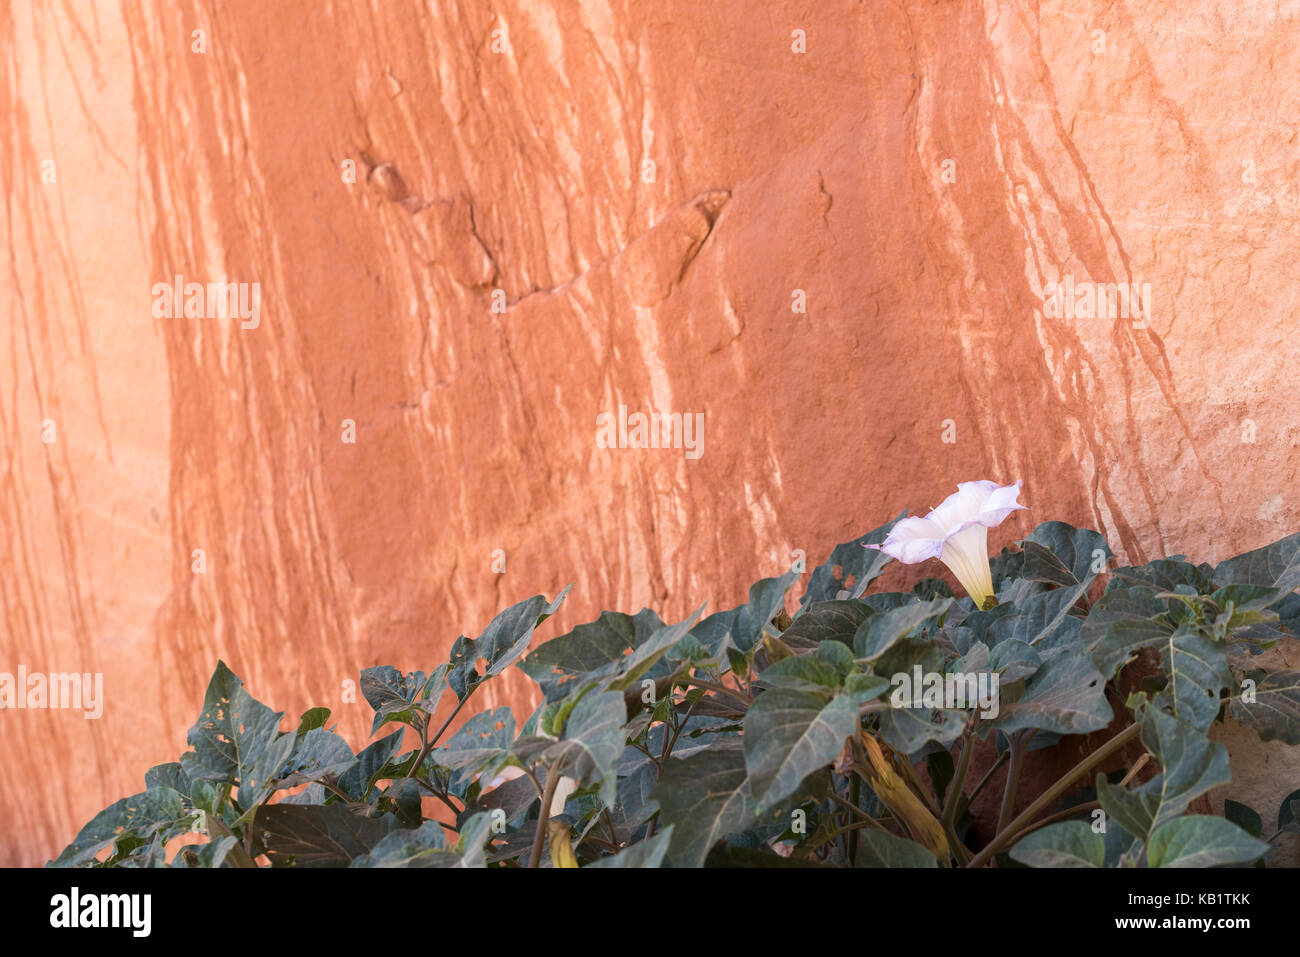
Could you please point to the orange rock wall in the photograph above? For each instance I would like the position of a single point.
(652, 189)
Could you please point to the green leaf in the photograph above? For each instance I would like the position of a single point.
(907, 730)
(1275, 712)
(159, 810)
(482, 739)
(425, 846)
(938, 764)
(168, 775)
(1066, 696)
(1041, 621)
(1014, 660)
(504, 639)
(237, 738)
(311, 719)
(1202, 841)
(592, 741)
(590, 650)
(878, 848)
(357, 781)
(877, 634)
(1244, 817)
(641, 661)
(318, 835)
(705, 797)
(1287, 812)
(801, 673)
(1065, 844)
(1191, 763)
(742, 626)
(392, 695)
(1197, 668)
(826, 621)
(790, 734)
(851, 568)
(1064, 549)
(1117, 632)
(317, 755)
(647, 853)
(1276, 566)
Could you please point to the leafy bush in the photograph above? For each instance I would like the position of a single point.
(748, 737)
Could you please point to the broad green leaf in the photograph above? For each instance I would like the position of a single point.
(1197, 669)
(1042, 621)
(1202, 841)
(647, 853)
(158, 810)
(826, 621)
(237, 738)
(1244, 817)
(1066, 695)
(802, 673)
(1275, 712)
(1165, 575)
(504, 639)
(590, 650)
(425, 846)
(705, 797)
(1191, 765)
(592, 741)
(318, 754)
(326, 835)
(790, 734)
(742, 626)
(168, 775)
(1080, 553)
(1014, 660)
(1276, 565)
(1123, 636)
(392, 695)
(877, 634)
(311, 719)
(1065, 844)
(644, 658)
(851, 568)
(881, 849)
(357, 781)
(482, 739)
(907, 730)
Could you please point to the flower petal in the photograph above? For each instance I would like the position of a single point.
(913, 540)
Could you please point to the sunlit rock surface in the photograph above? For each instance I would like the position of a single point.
(838, 256)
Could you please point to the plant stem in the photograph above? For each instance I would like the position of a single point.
(1013, 780)
(1052, 818)
(544, 815)
(1054, 792)
(432, 742)
(954, 796)
(855, 809)
(855, 793)
(988, 776)
(958, 781)
(720, 689)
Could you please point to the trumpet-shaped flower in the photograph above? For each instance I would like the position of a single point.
(957, 533)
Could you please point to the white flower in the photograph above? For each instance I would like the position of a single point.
(957, 533)
(563, 788)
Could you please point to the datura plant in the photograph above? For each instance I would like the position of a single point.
(858, 731)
